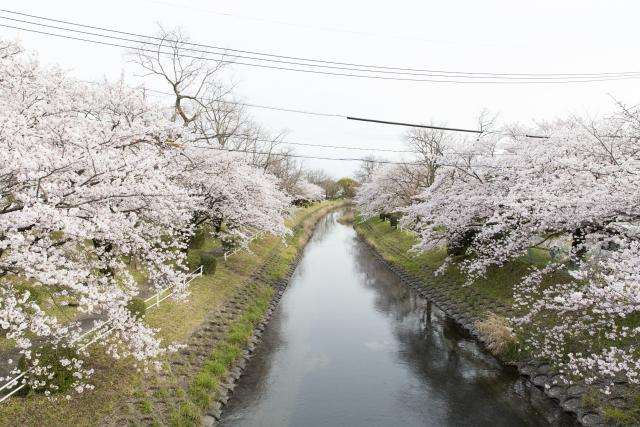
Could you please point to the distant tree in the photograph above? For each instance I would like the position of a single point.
(367, 168)
(322, 179)
(347, 186)
(390, 189)
(429, 145)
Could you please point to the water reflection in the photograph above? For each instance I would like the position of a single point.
(352, 346)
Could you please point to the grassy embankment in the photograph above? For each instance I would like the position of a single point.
(117, 380)
(493, 294)
(203, 387)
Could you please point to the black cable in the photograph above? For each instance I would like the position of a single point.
(308, 144)
(352, 159)
(364, 120)
(347, 117)
(158, 51)
(448, 73)
(266, 107)
(385, 122)
(341, 159)
(360, 119)
(248, 138)
(222, 55)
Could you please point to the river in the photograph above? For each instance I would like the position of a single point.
(350, 345)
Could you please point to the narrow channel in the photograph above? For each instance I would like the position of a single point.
(350, 345)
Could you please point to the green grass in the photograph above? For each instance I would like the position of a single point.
(204, 385)
(496, 285)
(147, 407)
(619, 417)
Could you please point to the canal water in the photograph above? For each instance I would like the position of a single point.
(350, 345)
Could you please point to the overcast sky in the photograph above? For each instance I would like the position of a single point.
(489, 36)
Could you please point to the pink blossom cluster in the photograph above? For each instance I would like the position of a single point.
(307, 191)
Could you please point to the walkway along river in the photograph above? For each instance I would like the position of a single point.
(350, 345)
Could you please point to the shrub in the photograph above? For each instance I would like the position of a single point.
(497, 332)
(57, 378)
(193, 260)
(137, 307)
(393, 220)
(208, 263)
(198, 238)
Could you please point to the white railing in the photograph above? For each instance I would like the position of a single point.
(10, 383)
(157, 298)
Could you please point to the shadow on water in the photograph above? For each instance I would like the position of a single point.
(350, 345)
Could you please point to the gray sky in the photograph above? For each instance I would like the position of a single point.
(577, 36)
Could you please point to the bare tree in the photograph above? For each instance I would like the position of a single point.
(221, 122)
(321, 178)
(201, 101)
(367, 167)
(429, 144)
(487, 121)
(191, 72)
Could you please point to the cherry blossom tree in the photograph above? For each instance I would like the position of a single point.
(576, 190)
(87, 183)
(234, 193)
(96, 176)
(390, 189)
(307, 191)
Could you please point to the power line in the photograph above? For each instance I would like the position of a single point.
(319, 72)
(308, 144)
(344, 147)
(331, 64)
(245, 63)
(341, 159)
(288, 110)
(360, 119)
(266, 107)
(353, 159)
(277, 108)
(347, 117)
(385, 122)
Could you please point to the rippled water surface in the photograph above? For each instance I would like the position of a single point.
(349, 345)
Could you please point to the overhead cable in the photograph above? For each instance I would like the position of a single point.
(142, 46)
(395, 70)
